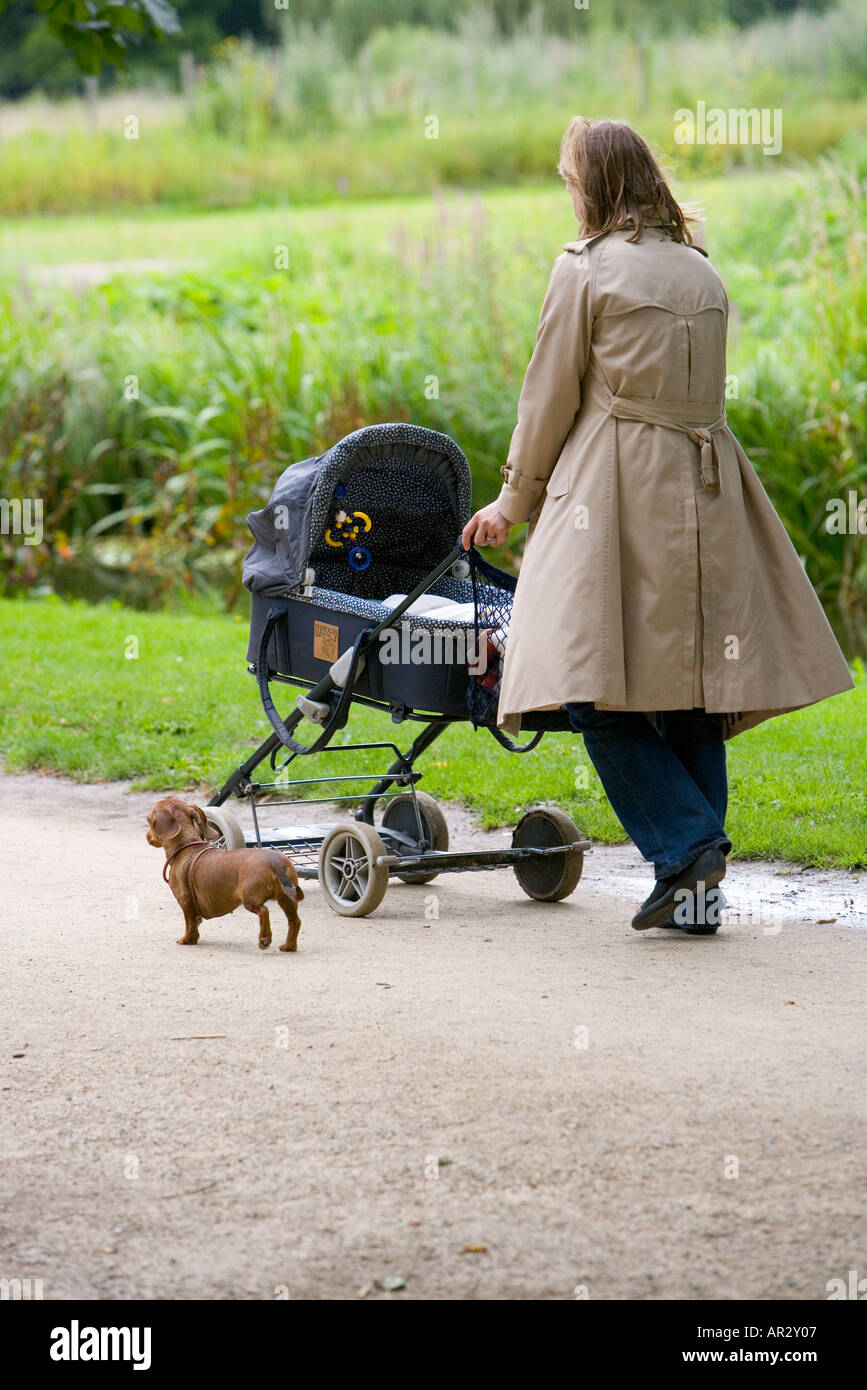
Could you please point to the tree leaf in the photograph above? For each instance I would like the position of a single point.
(124, 16)
(162, 15)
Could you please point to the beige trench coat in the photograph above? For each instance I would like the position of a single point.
(657, 575)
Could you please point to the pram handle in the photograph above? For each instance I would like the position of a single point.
(323, 691)
(456, 553)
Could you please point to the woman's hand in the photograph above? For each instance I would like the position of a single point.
(487, 527)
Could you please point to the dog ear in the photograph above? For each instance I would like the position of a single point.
(200, 821)
(163, 823)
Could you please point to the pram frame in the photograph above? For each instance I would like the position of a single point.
(543, 869)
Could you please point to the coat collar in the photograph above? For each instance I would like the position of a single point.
(578, 246)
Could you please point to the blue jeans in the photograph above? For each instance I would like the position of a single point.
(666, 779)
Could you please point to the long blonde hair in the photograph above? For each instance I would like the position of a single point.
(618, 180)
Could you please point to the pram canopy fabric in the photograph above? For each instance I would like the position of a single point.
(342, 536)
(410, 485)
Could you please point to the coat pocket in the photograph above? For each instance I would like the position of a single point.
(560, 481)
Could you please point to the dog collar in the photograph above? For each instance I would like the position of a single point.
(190, 844)
(203, 846)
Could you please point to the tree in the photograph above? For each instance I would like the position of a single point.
(97, 32)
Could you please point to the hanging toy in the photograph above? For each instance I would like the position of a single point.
(346, 528)
(360, 557)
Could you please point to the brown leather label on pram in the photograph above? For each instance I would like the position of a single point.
(326, 640)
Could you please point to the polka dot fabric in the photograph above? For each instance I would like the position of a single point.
(411, 528)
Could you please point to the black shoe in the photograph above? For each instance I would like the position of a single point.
(703, 929)
(658, 910)
(706, 928)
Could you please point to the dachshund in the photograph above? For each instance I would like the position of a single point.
(211, 883)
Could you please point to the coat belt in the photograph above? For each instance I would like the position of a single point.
(674, 415)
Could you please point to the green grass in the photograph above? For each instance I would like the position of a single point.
(184, 713)
(183, 169)
(217, 240)
(307, 121)
(243, 366)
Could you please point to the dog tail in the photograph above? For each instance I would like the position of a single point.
(293, 889)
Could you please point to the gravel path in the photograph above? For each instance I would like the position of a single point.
(506, 1100)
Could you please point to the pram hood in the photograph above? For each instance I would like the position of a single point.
(288, 530)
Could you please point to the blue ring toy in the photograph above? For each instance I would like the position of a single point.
(359, 557)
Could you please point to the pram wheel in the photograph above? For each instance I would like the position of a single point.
(399, 814)
(556, 876)
(226, 826)
(352, 880)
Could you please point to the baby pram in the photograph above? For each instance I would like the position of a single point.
(361, 592)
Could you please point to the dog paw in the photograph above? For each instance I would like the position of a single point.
(286, 947)
(264, 944)
(188, 940)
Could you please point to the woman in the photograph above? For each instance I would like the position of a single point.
(660, 599)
